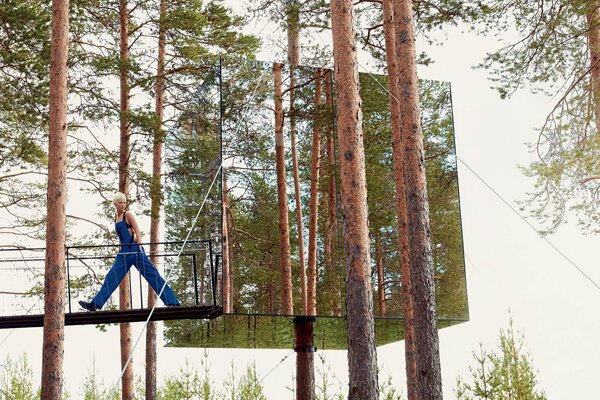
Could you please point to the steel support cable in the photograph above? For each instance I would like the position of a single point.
(166, 279)
(259, 81)
(548, 241)
(563, 255)
(259, 381)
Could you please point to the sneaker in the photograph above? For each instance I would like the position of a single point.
(89, 306)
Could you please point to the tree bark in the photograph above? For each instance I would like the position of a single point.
(389, 26)
(331, 225)
(305, 350)
(293, 32)
(226, 279)
(124, 153)
(593, 31)
(293, 53)
(362, 356)
(295, 171)
(314, 200)
(54, 277)
(428, 371)
(284, 234)
(156, 196)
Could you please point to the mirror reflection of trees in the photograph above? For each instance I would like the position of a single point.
(239, 98)
(192, 157)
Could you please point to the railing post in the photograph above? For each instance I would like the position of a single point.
(68, 278)
(215, 285)
(141, 276)
(213, 279)
(195, 275)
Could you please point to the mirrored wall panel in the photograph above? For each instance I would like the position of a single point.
(265, 135)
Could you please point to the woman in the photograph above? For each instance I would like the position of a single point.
(131, 253)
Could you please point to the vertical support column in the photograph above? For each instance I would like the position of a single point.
(305, 358)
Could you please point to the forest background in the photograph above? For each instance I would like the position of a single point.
(508, 266)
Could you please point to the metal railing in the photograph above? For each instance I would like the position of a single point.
(25, 264)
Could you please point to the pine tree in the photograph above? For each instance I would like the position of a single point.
(54, 275)
(557, 54)
(362, 358)
(504, 373)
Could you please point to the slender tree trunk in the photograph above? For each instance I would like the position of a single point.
(299, 224)
(593, 29)
(293, 36)
(124, 153)
(314, 199)
(428, 371)
(226, 280)
(380, 275)
(305, 370)
(284, 234)
(293, 32)
(54, 277)
(362, 356)
(304, 361)
(389, 26)
(156, 196)
(331, 226)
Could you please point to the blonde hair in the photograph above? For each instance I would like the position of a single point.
(119, 197)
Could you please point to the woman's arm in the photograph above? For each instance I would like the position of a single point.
(130, 219)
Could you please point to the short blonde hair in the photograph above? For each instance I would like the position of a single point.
(119, 197)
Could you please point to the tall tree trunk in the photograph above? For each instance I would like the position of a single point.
(124, 153)
(156, 196)
(305, 350)
(314, 197)
(362, 356)
(428, 372)
(593, 31)
(293, 53)
(54, 276)
(304, 361)
(293, 32)
(389, 26)
(296, 174)
(284, 234)
(380, 275)
(331, 225)
(225, 265)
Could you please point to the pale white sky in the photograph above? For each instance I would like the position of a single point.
(508, 266)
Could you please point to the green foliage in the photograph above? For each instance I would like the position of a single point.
(387, 391)
(430, 17)
(16, 380)
(24, 85)
(247, 387)
(188, 384)
(551, 54)
(248, 155)
(294, 15)
(325, 388)
(442, 186)
(504, 373)
(94, 389)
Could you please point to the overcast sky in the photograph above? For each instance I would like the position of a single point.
(509, 268)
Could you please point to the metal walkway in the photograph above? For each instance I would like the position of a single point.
(111, 317)
(200, 297)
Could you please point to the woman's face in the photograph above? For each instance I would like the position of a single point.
(120, 206)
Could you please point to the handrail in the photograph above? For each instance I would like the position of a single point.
(77, 255)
